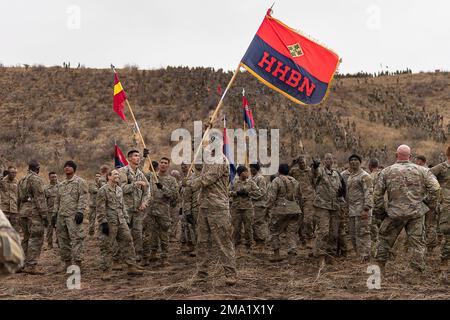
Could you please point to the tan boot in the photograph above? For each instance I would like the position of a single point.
(134, 271)
(106, 275)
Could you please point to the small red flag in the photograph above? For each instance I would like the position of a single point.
(119, 97)
(119, 159)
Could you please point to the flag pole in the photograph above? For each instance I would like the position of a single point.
(245, 132)
(213, 117)
(140, 134)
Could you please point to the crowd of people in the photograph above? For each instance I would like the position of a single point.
(356, 213)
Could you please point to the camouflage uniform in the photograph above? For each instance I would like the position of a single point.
(11, 253)
(305, 178)
(260, 225)
(442, 172)
(406, 185)
(283, 200)
(33, 209)
(8, 197)
(359, 199)
(157, 220)
(242, 211)
(110, 209)
(134, 196)
(51, 192)
(72, 197)
(190, 207)
(93, 190)
(175, 217)
(214, 220)
(376, 219)
(327, 206)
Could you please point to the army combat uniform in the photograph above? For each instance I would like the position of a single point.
(359, 198)
(190, 207)
(51, 192)
(111, 210)
(72, 198)
(93, 190)
(11, 254)
(442, 172)
(157, 220)
(407, 185)
(260, 221)
(134, 196)
(33, 214)
(242, 211)
(377, 219)
(283, 200)
(8, 198)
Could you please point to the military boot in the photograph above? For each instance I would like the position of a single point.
(292, 259)
(276, 256)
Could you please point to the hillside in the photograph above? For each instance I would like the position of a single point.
(54, 114)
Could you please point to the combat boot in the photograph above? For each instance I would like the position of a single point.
(276, 256)
(133, 270)
(106, 275)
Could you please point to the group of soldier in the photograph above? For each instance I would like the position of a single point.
(134, 215)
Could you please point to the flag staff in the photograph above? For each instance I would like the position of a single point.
(245, 133)
(213, 117)
(140, 134)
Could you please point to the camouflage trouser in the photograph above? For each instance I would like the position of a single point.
(92, 217)
(284, 223)
(241, 217)
(189, 229)
(121, 236)
(444, 227)
(260, 225)
(137, 226)
(360, 235)
(430, 230)
(214, 241)
(49, 235)
(13, 219)
(70, 239)
(33, 238)
(156, 233)
(327, 231)
(390, 229)
(306, 223)
(343, 241)
(174, 220)
(374, 231)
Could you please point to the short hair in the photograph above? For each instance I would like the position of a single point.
(131, 152)
(255, 166)
(283, 169)
(11, 167)
(165, 158)
(104, 169)
(51, 172)
(374, 163)
(33, 165)
(241, 169)
(155, 164)
(421, 157)
(71, 164)
(447, 152)
(109, 174)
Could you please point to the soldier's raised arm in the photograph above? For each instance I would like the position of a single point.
(210, 176)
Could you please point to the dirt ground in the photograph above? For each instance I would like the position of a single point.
(257, 279)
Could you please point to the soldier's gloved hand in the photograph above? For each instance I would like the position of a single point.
(79, 217)
(315, 164)
(159, 185)
(104, 227)
(44, 221)
(242, 193)
(54, 219)
(146, 153)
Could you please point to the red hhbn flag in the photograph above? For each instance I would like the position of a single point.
(119, 97)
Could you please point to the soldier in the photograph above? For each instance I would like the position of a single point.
(283, 199)
(260, 223)
(374, 169)
(113, 220)
(303, 174)
(420, 160)
(70, 208)
(242, 192)
(136, 194)
(33, 215)
(329, 189)
(157, 220)
(406, 185)
(175, 207)
(8, 196)
(214, 220)
(51, 192)
(93, 190)
(359, 198)
(11, 254)
(191, 211)
(442, 172)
